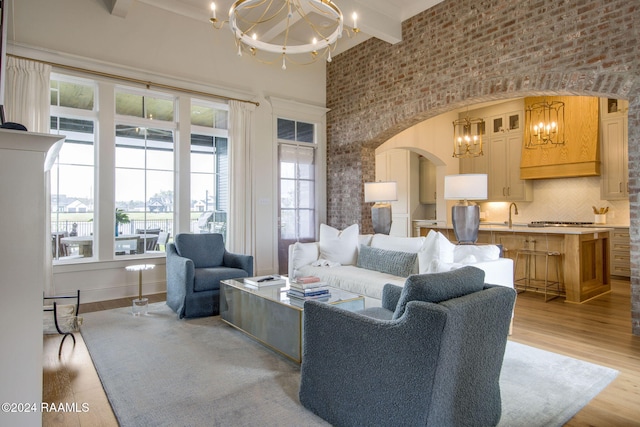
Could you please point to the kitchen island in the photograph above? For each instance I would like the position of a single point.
(584, 252)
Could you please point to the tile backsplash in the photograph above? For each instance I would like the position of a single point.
(566, 199)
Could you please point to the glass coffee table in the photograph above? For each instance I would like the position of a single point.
(267, 315)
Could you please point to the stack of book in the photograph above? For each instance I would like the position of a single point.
(306, 288)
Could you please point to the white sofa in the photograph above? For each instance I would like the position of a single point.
(363, 264)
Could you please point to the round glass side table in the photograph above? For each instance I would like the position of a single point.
(140, 305)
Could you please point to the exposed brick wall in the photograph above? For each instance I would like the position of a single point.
(462, 52)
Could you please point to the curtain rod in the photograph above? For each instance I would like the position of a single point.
(147, 84)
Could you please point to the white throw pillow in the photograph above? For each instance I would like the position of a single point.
(303, 254)
(436, 247)
(339, 246)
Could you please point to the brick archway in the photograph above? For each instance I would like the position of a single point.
(460, 53)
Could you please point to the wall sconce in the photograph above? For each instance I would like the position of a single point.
(545, 124)
(467, 137)
(381, 193)
(465, 216)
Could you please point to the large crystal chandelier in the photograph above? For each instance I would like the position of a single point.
(275, 30)
(545, 124)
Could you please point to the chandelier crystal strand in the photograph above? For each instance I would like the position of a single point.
(280, 25)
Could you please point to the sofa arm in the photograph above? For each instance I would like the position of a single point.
(301, 254)
(497, 272)
(180, 279)
(243, 262)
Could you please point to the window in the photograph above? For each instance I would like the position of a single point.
(144, 154)
(209, 168)
(72, 176)
(138, 141)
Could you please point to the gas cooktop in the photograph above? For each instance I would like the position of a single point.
(559, 224)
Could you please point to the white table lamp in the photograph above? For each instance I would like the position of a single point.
(465, 216)
(381, 193)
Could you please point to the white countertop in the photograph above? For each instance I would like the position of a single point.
(522, 228)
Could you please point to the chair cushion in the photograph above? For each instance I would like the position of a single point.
(208, 279)
(392, 262)
(438, 287)
(339, 246)
(205, 250)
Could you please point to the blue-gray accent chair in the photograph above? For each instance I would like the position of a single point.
(410, 362)
(196, 263)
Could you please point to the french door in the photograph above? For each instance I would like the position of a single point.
(297, 187)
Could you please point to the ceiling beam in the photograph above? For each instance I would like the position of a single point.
(372, 22)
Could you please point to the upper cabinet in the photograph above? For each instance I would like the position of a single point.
(504, 177)
(502, 146)
(428, 193)
(507, 122)
(614, 182)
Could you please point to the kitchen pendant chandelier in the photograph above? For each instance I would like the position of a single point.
(274, 30)
(467, 137)
(545, 122)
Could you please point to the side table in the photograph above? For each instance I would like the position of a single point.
(140, 305)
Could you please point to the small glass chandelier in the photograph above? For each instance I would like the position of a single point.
(284, 28)
(545, 122)
(467, 137)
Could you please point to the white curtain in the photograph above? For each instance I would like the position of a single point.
(26, 100)
(241, 223)
(27, 96)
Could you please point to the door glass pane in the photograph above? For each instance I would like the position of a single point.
(288, 224)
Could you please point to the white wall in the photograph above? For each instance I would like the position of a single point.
(161, 47)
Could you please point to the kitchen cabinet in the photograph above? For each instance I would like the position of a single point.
(506, 122)
(585, 256)
(502, 146)
(401, 166)
(620, 252)
(585, 252)
(614, 181)
(428, 194)
(504, 165)
(478, 164)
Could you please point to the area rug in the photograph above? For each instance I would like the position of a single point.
(161, 371)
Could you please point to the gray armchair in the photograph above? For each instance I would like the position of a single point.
(431, 355)
(196, 263)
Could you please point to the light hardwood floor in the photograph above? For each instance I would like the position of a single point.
(597, 331)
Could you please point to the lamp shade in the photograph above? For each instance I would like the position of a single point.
(383, 191)
(471, 186)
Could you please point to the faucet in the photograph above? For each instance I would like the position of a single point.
(516, 212)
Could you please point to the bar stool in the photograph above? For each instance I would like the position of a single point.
(552, 289)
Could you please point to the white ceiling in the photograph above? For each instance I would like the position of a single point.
(376, 18)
